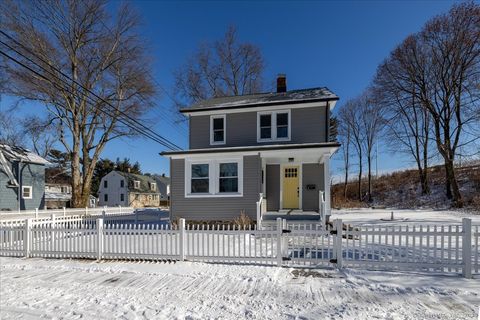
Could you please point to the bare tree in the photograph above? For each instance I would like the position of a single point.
(225, 67)
(372, 121)
(349, 117)
(440, 66)
(41, 133)
(344, 137)
(408, 123)
(11, 132)
(81, 47)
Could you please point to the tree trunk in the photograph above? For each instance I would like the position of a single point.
(452, 181)
(369, 196)
(448, 188)
(345, 185)
(360, 180)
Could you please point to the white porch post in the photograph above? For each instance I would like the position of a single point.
(326, 169)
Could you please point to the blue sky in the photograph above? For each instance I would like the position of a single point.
(337, 44)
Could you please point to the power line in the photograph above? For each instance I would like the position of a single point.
(163, 142)
(167, 143)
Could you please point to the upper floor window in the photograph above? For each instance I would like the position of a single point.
(273, 126)
(153, 186)
(105, 184)
(217, 129)
(136, 184)
(122, 183)
(26, 192)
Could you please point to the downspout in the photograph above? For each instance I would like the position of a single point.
(327, 122)
(19, 185)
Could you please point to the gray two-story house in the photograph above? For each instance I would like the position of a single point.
(267, 148)
(22, 179)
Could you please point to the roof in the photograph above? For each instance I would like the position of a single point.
(162, 179)
(144, 182)
(254, 148)
(15, 153)
(264, 99)
(56, 176)
(57, 196)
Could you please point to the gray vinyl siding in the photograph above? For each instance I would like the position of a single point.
(31, 175)
(215, 208)
(313, 173)
(308, 126)
(272, 188)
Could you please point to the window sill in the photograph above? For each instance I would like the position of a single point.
(215, 195)
(218, 143)
(274, 140)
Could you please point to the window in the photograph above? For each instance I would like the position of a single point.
(137, 196)
(153, 186)
(136, 184)
(217, 129)
(105, 184)
(214, 178)
(200, 178)
(122, 183)
(273, 126)
(105, 197)
(228, 177)
(64, 189)
(122, 197)
(27, 192)
(265, 126)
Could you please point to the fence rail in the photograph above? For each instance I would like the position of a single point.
(429, 248)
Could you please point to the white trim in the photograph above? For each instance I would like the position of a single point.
(213, 117)
(326, 175)
(273, 136)
(242, 109)
(136, 184)
(30, 188)
(300, 183)
(213, 177)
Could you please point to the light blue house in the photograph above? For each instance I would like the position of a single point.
(22, 179)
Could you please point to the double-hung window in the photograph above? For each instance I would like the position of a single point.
(273, 126)
(228, 177)
(217, 129)
(214, 178)
(26, 192)
(200, 180)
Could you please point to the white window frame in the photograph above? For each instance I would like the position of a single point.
(213, 178)
(30, 192)
(273, 115)
(153, 186)
(212, 118)
(136, 184)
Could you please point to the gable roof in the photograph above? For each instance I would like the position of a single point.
(144, 182)
(264, 99)
(162, 179)
(15, 153)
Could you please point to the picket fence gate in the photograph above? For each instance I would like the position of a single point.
(430, 248)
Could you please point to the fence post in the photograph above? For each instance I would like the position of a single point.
(279, 242)
(86, 211)
(119, 209)
(99, 239)
(467, 247)
(181, 226)
(27, 237)
(64, 212)
(36, 213)
(285, 239)
(338, 243)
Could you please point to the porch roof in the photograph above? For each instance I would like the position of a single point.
(326, 147)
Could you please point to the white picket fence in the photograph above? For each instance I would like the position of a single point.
(430, 248)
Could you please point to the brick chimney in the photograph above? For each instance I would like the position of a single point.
(281, 83)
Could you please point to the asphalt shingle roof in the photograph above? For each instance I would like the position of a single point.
(273, 98)
(144, 182)
(14, 153)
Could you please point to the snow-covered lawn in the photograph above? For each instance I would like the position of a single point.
(38, 288)
(402, 217)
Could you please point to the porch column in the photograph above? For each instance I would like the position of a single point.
(326, 168)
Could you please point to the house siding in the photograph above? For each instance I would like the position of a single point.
(313, 173)
(31, 175)
(272, 188)
(215, 208)
(308, 126)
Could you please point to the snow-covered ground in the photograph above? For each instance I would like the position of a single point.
(69, 289)
(402, 217)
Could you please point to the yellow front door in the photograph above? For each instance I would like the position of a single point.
(290, 187)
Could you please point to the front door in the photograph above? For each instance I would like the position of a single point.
(290, 187)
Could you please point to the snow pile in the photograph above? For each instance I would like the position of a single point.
(37, 288)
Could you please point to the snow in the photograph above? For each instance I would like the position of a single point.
(402, 217)
(38, 288)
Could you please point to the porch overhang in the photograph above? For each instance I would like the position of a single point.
(313, 151)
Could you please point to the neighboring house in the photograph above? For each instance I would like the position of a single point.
(58, 189)
(275, 144)
(128, 189)
(163, 184)
(22, 179)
